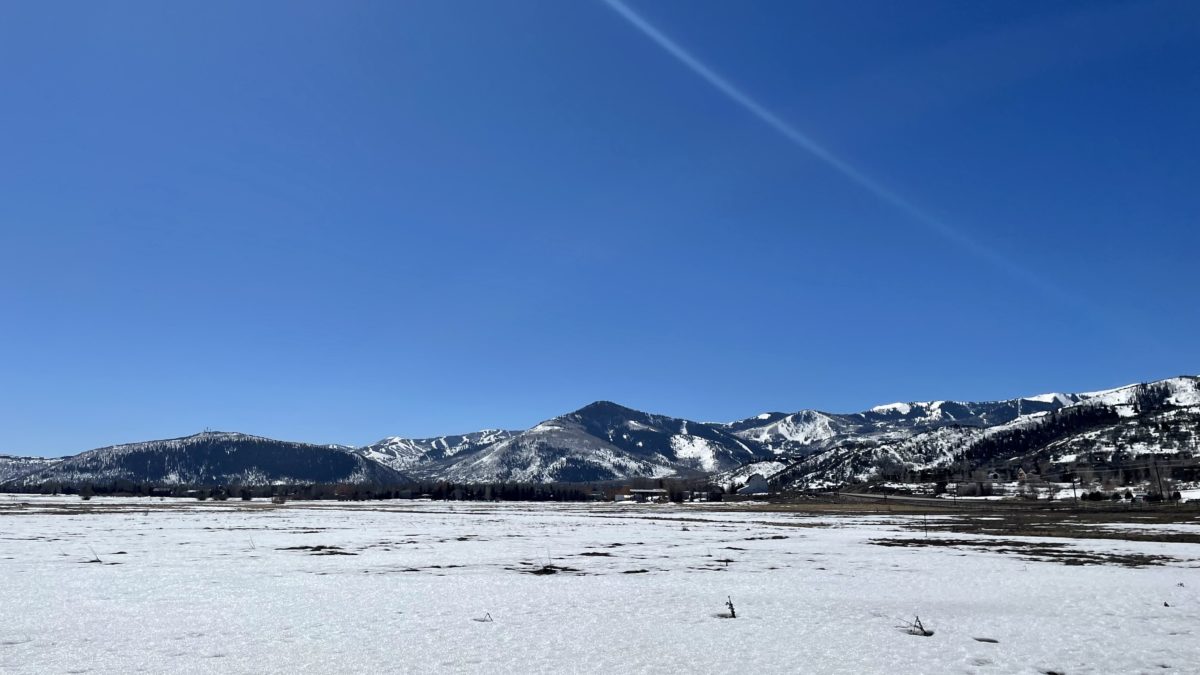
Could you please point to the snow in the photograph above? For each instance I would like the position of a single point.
(405, 454)
(1061, 399)
(694, 447)
(740, 475)
(212, 586)
(763, 416)
(1111, 396)
(1185, 391)
(902, 408)
(797, 429)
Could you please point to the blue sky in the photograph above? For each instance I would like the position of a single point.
(338, 221)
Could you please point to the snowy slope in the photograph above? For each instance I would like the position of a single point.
(768, 468)
(1179, 391)
(416, 454)
(808, 431)
(12, 468)
(1098, 427)
(781, 433)
(1167, 432)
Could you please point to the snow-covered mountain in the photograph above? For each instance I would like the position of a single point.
(603, 441)
(213, 458)
(1107, 428)
(421, 456)
(808, 431)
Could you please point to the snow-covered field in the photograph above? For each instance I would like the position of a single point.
(407, 587)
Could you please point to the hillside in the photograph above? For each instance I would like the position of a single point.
(421, 457)
(213, 458)
(13, 468)
(1109, 428)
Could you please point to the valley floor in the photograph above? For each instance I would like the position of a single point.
(143, 585)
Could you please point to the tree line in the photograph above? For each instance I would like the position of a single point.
(677, 490)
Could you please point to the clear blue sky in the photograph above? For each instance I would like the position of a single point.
(336, 221)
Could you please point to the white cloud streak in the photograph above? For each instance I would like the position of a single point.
(806, 143)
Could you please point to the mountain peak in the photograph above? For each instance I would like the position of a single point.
(213, 433)
(899, 407)
(606, 408)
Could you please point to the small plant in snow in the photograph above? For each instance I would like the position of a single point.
(915, 627)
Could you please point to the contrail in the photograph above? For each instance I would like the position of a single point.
(804, 142)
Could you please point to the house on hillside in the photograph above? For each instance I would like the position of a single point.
(755, 485)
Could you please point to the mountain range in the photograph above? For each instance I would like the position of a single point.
(605, 441)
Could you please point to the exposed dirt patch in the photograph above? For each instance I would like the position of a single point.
(1041, 551)
(543, 570)
(320, 549)
(1082, 524)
